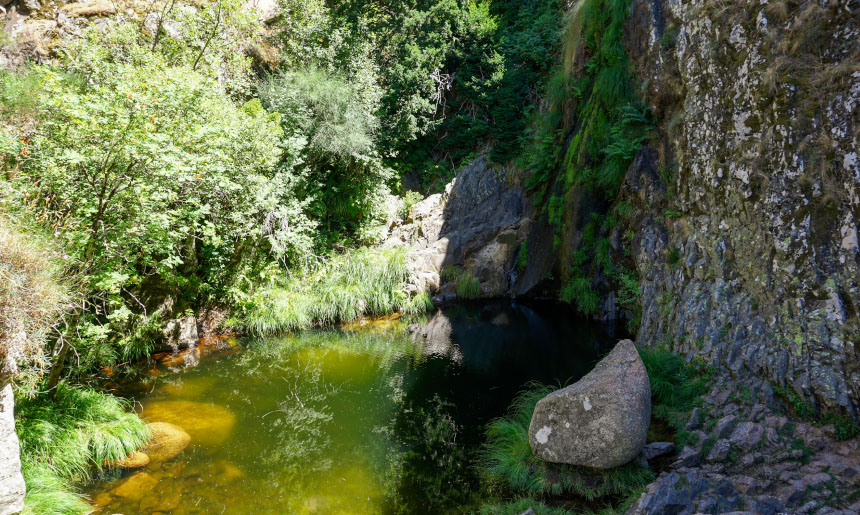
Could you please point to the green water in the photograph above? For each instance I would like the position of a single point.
(364, 419)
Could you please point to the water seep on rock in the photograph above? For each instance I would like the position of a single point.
(602, 420)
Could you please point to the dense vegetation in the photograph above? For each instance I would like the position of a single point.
(174, 172)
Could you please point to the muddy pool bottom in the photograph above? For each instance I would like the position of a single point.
(378, 416)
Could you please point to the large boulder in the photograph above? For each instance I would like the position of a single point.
(167, 441)
(602, 420)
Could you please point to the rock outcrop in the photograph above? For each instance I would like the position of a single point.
(747, 208)
(477, 224)
(742, 454)
(602, 420)
(12, 487)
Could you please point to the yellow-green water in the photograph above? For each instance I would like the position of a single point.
(365, 420)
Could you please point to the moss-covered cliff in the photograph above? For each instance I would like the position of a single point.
(748, 252)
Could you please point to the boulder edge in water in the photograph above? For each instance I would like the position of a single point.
(601, 421)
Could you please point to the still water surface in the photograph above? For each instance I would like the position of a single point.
(374, 417)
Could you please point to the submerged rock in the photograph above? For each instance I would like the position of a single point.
(135, 487)
(134, 460)
(602, 420)
(167, 441)
(208, 424)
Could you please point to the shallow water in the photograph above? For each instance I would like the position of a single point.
(369, 418)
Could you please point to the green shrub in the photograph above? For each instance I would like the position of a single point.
(410, 198)
(19, 94)
(579, 292)
(508, 462)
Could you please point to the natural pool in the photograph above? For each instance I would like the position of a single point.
(375, 417)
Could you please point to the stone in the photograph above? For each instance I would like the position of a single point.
(747, 435)
(688, 457)
(768, 505)
(657, 449)
(12, 486)
(93, 8)
(32, 5)
(529, 511)
(725, 426)
(816, 480)
(695, 420)
(167, 441)
(207, 424)
(180, 333)
(135, 487)
(720, 451)
(601, 421)
(134, 460)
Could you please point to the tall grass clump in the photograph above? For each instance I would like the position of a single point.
(510, 466)
(676, 386)
(66, 439)
(468, 286)
(363, 282)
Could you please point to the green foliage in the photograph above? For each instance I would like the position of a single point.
(510, 465)
(363, 282)
(580, 292)
(145, 172)
(66, 439)
(344, 180)
(19, 94)
(629, 297)
(466, 284)
(674, 256)
(410, 198)
(676, 386)
(520, 506)
(522, 257)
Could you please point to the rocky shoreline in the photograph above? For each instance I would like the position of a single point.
(744, 454)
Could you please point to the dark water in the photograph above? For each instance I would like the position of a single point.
(376, 417)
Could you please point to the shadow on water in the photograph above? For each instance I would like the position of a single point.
(380, 418)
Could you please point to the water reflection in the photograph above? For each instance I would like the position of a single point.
(379, 418)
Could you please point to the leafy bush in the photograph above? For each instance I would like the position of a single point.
(509, 464)
(149, 171)
(66, 439)
(410, 198)
(344, 180)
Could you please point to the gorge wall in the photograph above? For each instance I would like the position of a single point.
(749, 253)
(746, 198)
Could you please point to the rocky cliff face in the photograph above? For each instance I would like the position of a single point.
(746, 200)
(476, 225)
(747, 241)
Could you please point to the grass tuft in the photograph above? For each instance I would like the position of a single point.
(66, 439)
(363, 282)
(676, 386)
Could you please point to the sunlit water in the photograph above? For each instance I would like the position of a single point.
(365, 419)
